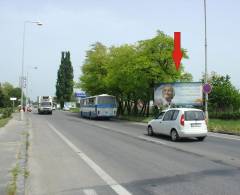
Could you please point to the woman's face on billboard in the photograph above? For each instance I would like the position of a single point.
(168, 93)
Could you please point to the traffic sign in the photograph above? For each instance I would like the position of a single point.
(13, 98)
(207, 88)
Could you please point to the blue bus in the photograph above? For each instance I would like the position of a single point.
(99, 106)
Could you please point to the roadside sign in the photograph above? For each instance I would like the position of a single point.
(207, 88)
(13, 98)
(80, 94)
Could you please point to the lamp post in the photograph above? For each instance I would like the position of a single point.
(206, 70)
(23, 50)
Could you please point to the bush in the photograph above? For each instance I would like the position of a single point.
(74, 109)
(225, 115)
(6, 112)
(155, 111)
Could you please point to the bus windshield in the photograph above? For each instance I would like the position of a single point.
(106, 100)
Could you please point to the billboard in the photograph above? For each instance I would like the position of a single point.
(179, 94)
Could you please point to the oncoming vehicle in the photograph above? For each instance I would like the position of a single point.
(45, 104)
(179, 123)
(99, 106)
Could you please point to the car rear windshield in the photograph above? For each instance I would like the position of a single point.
(194, 116)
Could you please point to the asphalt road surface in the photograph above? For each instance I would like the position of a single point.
(70, 155)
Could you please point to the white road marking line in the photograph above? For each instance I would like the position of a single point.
(136, 123)
(90, 192)
(152, 140)
(223, 137)
(10, 143)
(119, 189)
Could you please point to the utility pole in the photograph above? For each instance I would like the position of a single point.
(206, 70)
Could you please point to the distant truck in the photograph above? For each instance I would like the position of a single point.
(45, 104)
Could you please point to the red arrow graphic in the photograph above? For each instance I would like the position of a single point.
(177, 53)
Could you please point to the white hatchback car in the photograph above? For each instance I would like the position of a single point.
(179, 123)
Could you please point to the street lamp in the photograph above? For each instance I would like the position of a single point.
(23, 49)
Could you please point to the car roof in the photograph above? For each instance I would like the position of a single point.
(182, 109)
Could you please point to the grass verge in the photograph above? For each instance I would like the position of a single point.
(224, 126)
(75, 110)
(4, 121)
(12, 186)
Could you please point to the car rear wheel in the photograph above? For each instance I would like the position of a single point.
(174, 135)
(150, 131)
(201, 138)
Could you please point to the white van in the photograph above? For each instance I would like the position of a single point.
(179, 123)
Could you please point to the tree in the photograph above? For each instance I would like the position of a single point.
(130, 72)
(7, 91)
(94, 70)
(2, 98)
(64, 84)
(224, 96)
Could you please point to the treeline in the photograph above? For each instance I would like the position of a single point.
(7, 90)
(224, 100)
(131, 71)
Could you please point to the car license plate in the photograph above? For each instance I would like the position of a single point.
(195, 124)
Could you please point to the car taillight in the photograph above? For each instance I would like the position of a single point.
(182, 120)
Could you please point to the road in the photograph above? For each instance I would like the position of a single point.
(70, 155)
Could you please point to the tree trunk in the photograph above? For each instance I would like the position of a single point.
(148, 108)
(135, 107)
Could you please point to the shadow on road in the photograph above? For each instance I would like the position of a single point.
(167, 138)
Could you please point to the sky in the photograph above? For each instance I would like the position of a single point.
(73, 25)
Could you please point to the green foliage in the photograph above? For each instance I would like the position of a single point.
(225, 115)
(130, 72)
(3, 121)
(224, 96)
(5, 112)
(94, 70)
(7, 90)
(2, 97)
(64, 85)
(75, 110)
(155, 111)
(224, 126)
